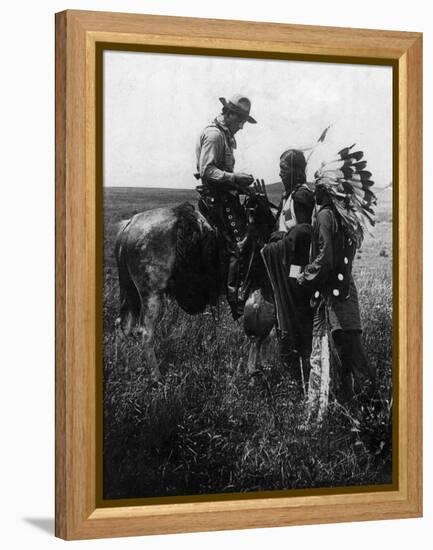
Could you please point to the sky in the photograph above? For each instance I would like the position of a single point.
(155, 106)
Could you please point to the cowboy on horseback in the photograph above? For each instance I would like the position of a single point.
(221, 187)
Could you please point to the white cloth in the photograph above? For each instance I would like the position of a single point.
(287, 218)
(318, 385)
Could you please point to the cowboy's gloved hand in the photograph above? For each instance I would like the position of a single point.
(244, 180)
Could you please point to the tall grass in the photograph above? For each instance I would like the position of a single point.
(205, 430)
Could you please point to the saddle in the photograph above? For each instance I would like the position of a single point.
(239, 240)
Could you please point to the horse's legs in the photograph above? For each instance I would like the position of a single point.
(151, 309)
(259, 318)
(254, 355)
(120, 341)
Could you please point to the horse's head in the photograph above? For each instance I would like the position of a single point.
(260, 218)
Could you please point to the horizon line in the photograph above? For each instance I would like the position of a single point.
(382, 188)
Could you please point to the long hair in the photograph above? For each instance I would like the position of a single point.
(292, 165)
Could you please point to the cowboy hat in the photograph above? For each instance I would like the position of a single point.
(240, 105)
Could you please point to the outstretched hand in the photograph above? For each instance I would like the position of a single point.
(243, 180)
(260, 187)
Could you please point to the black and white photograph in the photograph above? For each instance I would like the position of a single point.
(247, 275)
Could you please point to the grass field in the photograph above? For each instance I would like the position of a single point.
(204, 429)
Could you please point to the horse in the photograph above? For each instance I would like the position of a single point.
(174, 252)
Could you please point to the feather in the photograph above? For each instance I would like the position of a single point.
(357, 155)
(333, 174)
(349, 187)
(322, 180)
(323, 134)
(348, 172)
(369, 197)
(360, 165)
(365, 174)
(335, 164)
(369, 217)
(368, 208)
(344, 152)
(348, 160)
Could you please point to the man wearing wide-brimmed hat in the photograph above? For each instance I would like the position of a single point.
(221, 186)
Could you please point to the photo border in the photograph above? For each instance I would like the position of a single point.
(102, 47)
(81, 39)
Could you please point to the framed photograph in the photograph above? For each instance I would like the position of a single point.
(238, 274)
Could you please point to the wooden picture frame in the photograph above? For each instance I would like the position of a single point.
(79, 36)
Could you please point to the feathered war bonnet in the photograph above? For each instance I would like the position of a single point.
(348, 185)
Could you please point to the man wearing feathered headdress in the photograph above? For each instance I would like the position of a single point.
(344, 207)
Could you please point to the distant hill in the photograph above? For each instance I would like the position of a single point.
(275, 187)
(275, 191)
(125, 201)
(136, 199)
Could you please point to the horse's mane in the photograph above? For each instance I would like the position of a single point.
(187, 233)
(198, 276)
(194, 282)
(258, 233)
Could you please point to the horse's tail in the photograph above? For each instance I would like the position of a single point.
(130, 303)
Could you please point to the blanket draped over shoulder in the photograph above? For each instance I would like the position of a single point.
(292, 302)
